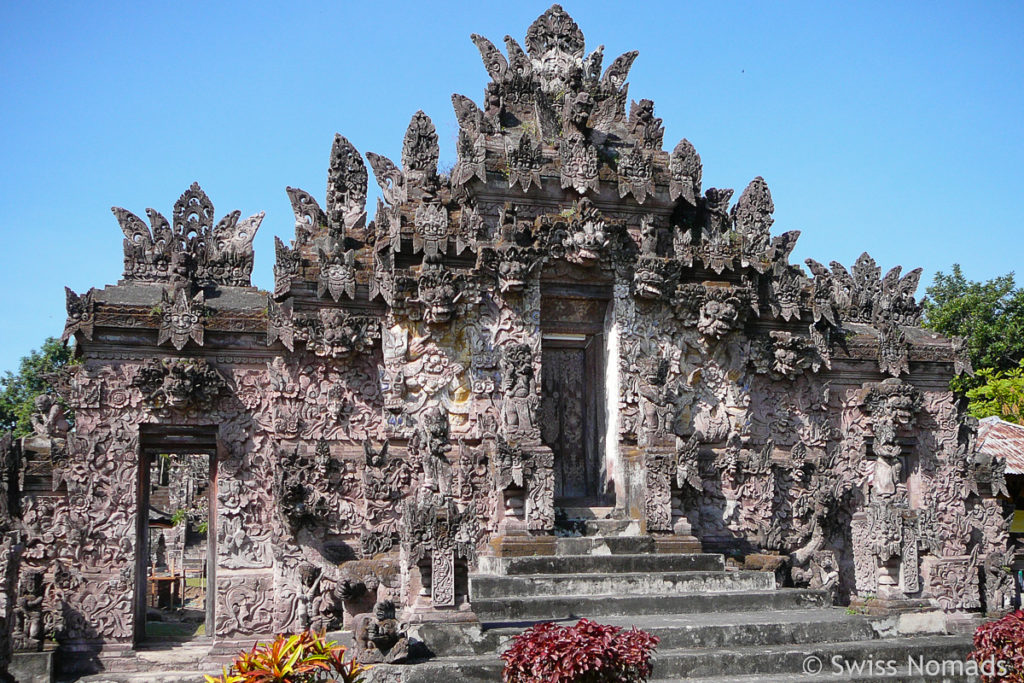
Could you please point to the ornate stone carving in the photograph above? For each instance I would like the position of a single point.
(346, 187)
(657, 402)
(391, 180)
(431, 234)
(379, 638)
(180, 383)
(438, 290)
(337, 273)
(685, 173)
(420, 152)
(785, 355)
(81, 314)
(585, 237)
(579, 165)
(48, 419)
(636, 174)
(645, 127)
(335, 332)
(524, 163)
(472, 141)
(194, 248)
(555, 44)
(182, 317)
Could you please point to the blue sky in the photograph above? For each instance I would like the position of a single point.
(894, 128)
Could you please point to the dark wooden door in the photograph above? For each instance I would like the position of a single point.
(570, 423)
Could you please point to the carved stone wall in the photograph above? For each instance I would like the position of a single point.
(385, 412)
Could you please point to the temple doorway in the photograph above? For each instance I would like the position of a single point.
(573, 396)
(176, 537)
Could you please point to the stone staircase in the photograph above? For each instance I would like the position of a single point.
(715, 624)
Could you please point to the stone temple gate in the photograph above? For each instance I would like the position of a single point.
(568, 320)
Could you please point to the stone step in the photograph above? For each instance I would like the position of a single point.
(714, 629)
(742, 665)
(554, 608)
(585, 528)
(744, 629)
(632, 583)
(177, 676)
(573, 513)
(600, 564)
(773, 660)
(604, 545)
(901, 675)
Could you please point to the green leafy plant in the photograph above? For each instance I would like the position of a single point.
(1001, 393)
(1002, 642)
(585, 653)
(305, 657)
(179, 516)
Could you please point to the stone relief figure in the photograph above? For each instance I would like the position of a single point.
(719, 315)
(656, 401)
(28, 613)
(520, 399)
(892, 406)
(432, 438)
(379, 637)
(309, 586)
(438, 292)
(585, 236)
(49, 420)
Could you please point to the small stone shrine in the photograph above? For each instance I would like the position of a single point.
(567, 319)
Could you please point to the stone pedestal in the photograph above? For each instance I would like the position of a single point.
(424, 614)
(32, 667)
(878, 607)
(669, 544)
(522, 545)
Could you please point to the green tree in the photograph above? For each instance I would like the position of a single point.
(18, 391)
(989, 314)
(1001, 393)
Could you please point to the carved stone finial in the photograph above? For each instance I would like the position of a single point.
(644, 126)
(555, 43)
(752, 214)
(684, 173)
(194, 250)
(420, 150)
(309, 217)
(346, 187)
(389, 177)
(81, 314)
(494, 61)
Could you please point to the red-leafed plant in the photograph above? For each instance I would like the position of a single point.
(304, 657)
(585, 653)
(1001, 642)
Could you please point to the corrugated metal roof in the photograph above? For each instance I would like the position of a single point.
(1002, 439)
